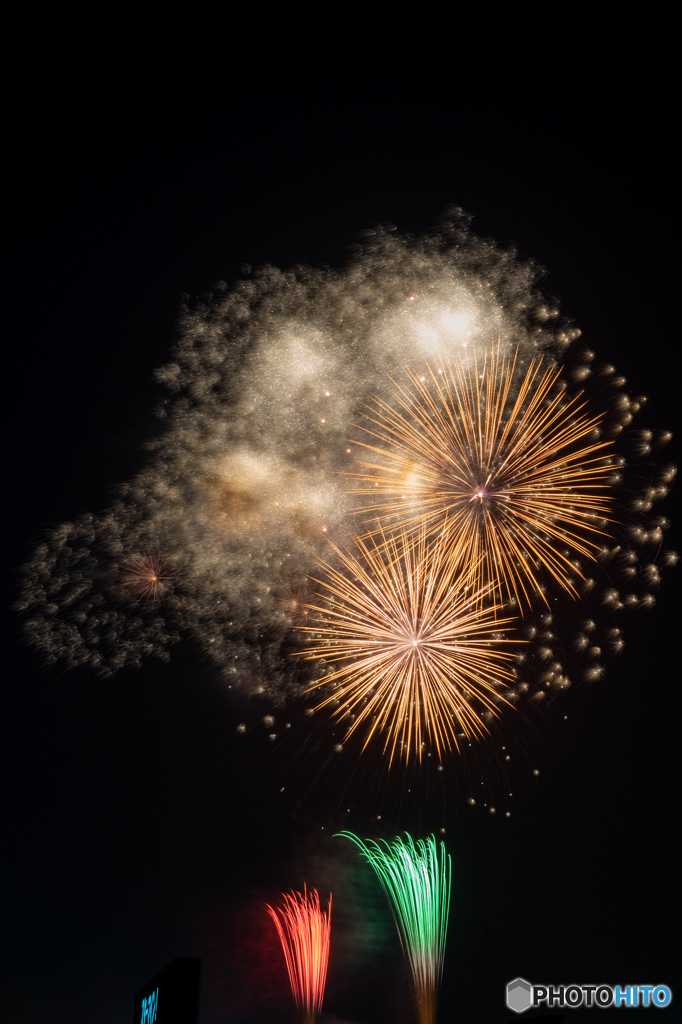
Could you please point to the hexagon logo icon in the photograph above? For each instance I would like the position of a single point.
(519, 995)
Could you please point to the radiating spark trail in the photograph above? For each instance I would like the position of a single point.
(416, 877)
(148, 578)
(304, 931)
(413, 649)
(508, 471)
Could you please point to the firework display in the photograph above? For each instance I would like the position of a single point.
(147, 578)
(416, 878)
(509, 475)
(402, 493)
(420, 657)
(304, 930)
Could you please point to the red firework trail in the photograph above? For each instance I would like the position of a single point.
(304, 931)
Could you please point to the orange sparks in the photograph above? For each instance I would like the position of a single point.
(304, 931)
(411, 652)
(514, 484)
(148, 579)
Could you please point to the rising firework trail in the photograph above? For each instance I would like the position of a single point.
(304, 931)
(409, 650)
(416, 877)
(497, 461)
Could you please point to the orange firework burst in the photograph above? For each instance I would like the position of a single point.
(292, 600)
(304, 931)
(508, 471)
(413, 652)
(148, 579)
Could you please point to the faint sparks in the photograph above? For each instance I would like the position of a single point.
(148, 578)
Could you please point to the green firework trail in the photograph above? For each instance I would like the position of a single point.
(416, 877)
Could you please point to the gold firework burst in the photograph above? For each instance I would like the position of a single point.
(508, 470)
(412, 652)
(291, 599)
(148, 578)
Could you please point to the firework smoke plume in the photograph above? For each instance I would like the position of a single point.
(269, 391)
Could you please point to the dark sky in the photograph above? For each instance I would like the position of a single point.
(137, 828)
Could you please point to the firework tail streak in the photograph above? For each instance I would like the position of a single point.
(417, 878)
(304, 931)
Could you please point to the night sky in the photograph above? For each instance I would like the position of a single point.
(138, 826)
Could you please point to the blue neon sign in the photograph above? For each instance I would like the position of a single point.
(149, 1007)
